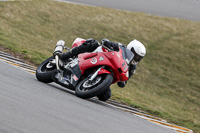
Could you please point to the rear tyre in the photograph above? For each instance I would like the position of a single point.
(86, 89)
(45, 70)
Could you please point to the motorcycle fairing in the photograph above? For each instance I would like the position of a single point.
(69, 76)
(114, 60)
(58, 78)
(77, 42)
(103, 71)
(72, 72)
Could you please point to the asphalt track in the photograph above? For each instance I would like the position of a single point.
(29, 106)
(185, 9)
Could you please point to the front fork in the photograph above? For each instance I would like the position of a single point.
(101, 70)
(95, 74)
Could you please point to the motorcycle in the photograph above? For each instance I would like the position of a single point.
(88, 74)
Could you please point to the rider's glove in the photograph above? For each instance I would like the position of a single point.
(121, 84)
(63, 56)
(110, 45)
(58, 53)
(89, 41)
(106, 43)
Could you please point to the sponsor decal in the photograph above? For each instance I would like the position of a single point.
(101, 58)
(93, 61)
(124, 65)
(75, 78)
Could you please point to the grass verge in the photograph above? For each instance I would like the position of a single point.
(166, 82)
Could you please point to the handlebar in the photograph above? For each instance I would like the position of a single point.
(109, 50)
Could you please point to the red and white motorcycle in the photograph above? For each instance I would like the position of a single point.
(89, 74)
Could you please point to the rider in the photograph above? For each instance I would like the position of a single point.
(90, 45)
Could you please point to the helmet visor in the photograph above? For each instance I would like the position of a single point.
(137, 58)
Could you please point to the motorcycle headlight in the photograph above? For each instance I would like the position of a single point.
(127, 74)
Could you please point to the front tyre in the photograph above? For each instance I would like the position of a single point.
(86, 89)
(45, 70)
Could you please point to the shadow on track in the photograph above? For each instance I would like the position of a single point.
(71, 92)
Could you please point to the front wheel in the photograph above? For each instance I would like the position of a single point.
(45, 70)
(87, 89)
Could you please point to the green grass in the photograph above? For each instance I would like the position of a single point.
(167, 81)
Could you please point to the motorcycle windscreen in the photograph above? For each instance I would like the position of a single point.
(128, 55)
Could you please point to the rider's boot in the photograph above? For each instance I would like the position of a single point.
(105, 95)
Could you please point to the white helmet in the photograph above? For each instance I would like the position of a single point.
(138, 50)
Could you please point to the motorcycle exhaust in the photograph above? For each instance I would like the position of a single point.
(59, 47)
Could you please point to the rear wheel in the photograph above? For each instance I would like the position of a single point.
(87, 89)
(45, 70)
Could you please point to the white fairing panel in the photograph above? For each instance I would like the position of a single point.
(99, 49)
(78, 40)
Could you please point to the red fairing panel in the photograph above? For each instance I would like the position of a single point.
(77, 42)
(102, 71)
(113, 60)
(88, 60)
